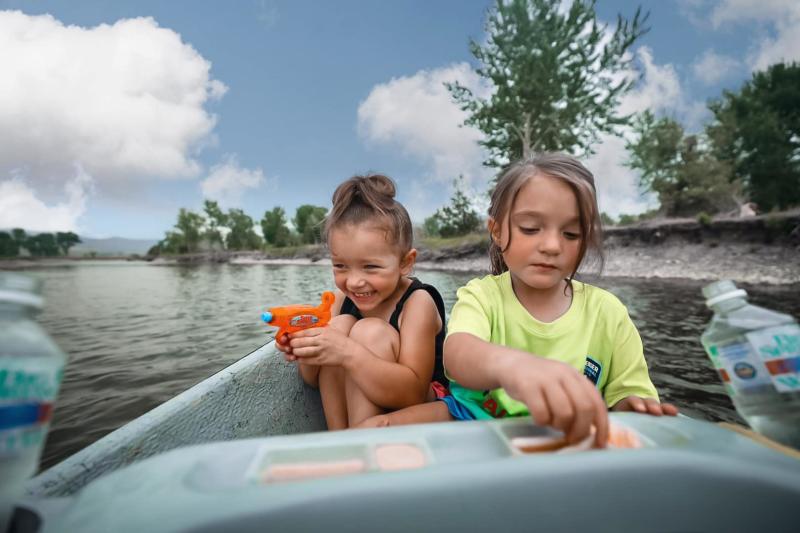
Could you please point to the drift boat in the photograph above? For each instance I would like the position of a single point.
(245, 451)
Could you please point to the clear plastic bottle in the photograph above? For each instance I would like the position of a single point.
(31, 368)
(757, 354)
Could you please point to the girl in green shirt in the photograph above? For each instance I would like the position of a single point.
(526, 339)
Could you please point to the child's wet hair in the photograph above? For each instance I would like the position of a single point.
(565, 168)
(370, 199)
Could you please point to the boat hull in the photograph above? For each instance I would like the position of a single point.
(259, 395)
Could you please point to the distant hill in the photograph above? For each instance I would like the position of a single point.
(112, 246)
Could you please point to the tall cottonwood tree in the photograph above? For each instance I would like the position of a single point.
(557, 77)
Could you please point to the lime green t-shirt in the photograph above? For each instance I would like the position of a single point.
(596, 336)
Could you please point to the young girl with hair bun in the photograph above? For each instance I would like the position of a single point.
(530, 339)
(383, 346)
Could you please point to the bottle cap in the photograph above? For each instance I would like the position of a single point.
(719, 291)
(20, 289)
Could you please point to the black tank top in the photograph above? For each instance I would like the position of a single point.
(349, 308)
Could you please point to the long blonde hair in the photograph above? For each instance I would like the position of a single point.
(565, 168)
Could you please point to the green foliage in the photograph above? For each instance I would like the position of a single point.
(757, 132)
(431, 226)
(187, 237)
(274, 228)
(215, 219)
(458, 218)
(557, 78)
(66, 240)
(39, 245)
(42, 245)
(9, 247)
(242, 235)
(308, 221)
(704, 218)
(679, 168)
(627, 220)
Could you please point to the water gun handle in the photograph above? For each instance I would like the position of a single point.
(291, 318)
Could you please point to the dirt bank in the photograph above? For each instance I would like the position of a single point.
(764, 249)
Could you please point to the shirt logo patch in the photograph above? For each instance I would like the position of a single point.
(592, 370)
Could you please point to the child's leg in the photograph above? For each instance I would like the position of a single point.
(423, 413)
(331, 382)
(384, 341)
(334, 403)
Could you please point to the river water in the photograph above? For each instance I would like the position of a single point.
(137, 334)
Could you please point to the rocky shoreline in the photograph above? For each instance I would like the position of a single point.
(763, 249)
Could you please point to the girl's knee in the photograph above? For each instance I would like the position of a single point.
(378, 335)
(343, 323)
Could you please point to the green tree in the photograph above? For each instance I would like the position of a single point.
(308, 221)
(757, 131)
(457, 218)
(242, 236)
(679, 168)
(274, 228)
(66, 240)
(557, 76)
(9, 247)
(42, 245)
(19, 236)
(431, 226)
(215, 219)
(189, 228)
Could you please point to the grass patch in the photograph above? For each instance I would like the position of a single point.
(438, 243)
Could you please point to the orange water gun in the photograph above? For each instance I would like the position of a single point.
(291, 318)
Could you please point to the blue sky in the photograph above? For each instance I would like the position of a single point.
(116, 114)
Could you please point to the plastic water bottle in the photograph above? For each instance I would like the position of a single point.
(757, 354)
(31, 367)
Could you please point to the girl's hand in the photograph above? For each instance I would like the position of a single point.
(286, 349)
(649, 406)
(321, 346)
(556, 395)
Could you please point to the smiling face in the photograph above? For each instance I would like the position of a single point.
(367, 268)
(541, 235)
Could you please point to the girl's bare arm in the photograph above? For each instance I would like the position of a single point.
(555, 393)
(310, 373)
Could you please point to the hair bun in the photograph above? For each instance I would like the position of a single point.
(375, 185)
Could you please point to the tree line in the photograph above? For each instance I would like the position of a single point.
(39, 245)
(214, 229)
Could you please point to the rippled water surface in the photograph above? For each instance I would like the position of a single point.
(138, 334)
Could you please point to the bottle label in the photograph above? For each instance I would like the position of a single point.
(779, 350)
(741, 370)
(27, 392)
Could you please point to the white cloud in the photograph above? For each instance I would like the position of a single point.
(659, 91)
(124, 101)
(417, 115)
(228, 181)
(711, 67)
(782, 15)
(21, 208)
